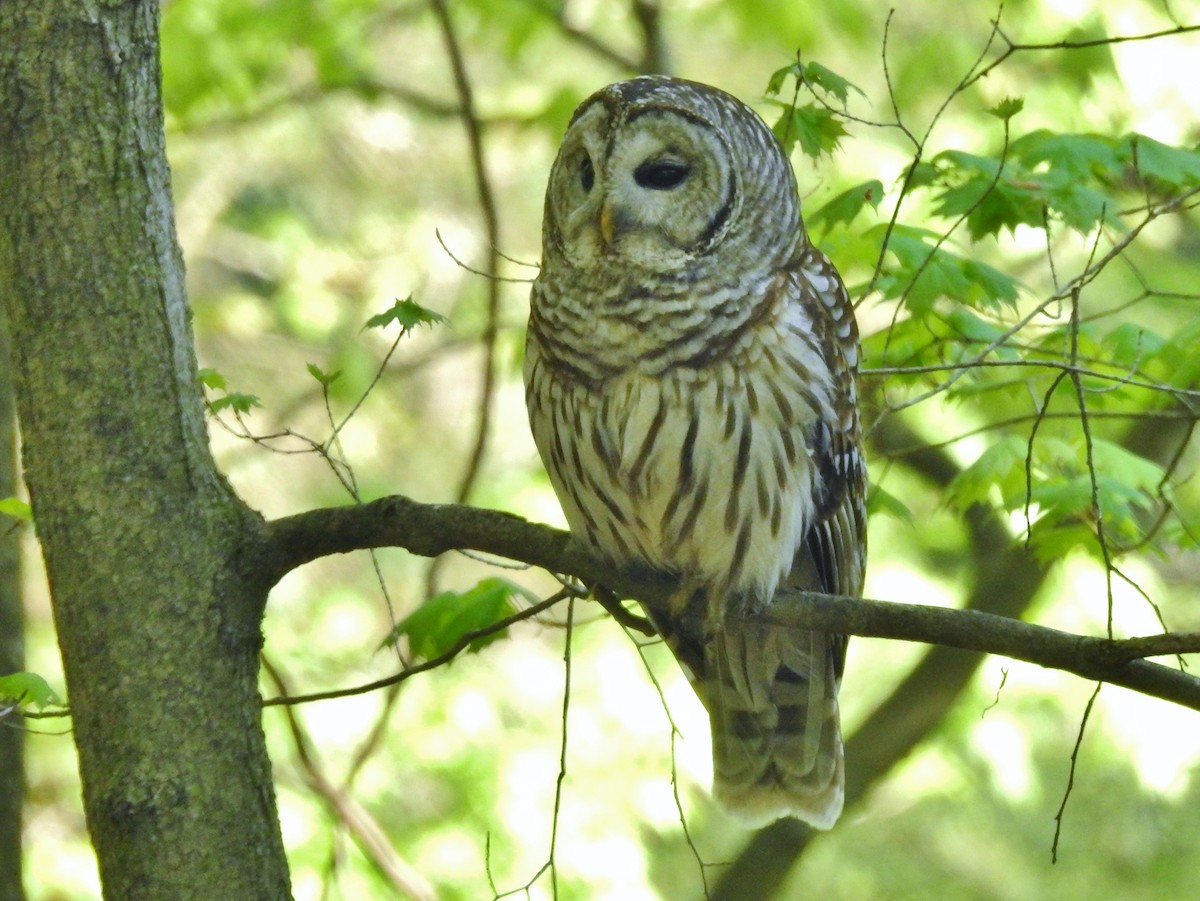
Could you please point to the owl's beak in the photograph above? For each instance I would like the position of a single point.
(614, 222)
(608, 223)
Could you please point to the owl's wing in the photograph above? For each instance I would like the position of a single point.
(833, 556)
(772, 690)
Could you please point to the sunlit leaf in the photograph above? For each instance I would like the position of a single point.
(813, 127)
(1007, 108)
(828, 80)
(882, 501)
(845, 206)
(407, 314)
(210, 378)
(1176, 167)
(1130, 344)
(27, 690)
(16, 508)
(999, 468)
(242, 403)
(325, 378)
(444, 619)
(924, 272)
(814, 76)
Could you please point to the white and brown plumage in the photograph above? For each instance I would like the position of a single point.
(690, 378)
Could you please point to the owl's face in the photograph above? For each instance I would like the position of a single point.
(653, 173)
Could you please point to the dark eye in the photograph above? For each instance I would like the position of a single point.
(661, 175)
(587, 175)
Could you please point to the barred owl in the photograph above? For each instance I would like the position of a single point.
(690, 379)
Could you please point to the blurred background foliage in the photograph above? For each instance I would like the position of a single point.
(322, 170)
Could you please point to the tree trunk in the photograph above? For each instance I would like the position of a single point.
(159, 629)
(12, 650)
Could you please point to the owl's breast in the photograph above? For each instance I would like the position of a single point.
(702, 472)
(610, 323)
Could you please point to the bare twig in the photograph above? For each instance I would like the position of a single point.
(655, 57)
(459, 646)
(357, 821)
(1012, 47)
(585, 38)
(1062, 807)
(701, 865)
(491, 226)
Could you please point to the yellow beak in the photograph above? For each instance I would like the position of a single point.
(607, 224)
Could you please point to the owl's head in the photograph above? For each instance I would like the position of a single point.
(656, 173)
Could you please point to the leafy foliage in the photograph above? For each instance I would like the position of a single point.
(960, 322)
(845, 207)
(1076, 179)
(229, 400)
(408, 314)
(446, 619)
(16, 508)
(27, 690)
(814, 128)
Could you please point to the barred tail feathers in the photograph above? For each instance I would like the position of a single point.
(771, 694)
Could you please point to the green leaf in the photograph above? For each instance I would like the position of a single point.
(409, 314)
(971, 326)
(27, 689)
(779, 76)
(1083, 156)
(813, 127)
(1130, 343)
(814, 74)
(990, 286)
(1001, 467)
(972, 185)
(444, 619)
(16, 508)
(922, 174)
(242, 403)
(924, 272)
(1007, 108)
(1175, 167)
(325, 378)
(210, 378)
(845, 206)
(880, 500)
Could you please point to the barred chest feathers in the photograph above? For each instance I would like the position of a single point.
(704, 467)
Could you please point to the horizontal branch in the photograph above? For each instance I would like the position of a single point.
(433, 529)
(1117, 661)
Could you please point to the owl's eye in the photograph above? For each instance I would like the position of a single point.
(587, 174)
(661, 175)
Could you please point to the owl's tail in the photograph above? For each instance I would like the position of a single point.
(771, 694)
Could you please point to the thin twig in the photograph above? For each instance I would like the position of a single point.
(459, 646)
(1013, 47)
(562, 750)
(357, 821)
(491, 226)
(676, 733)
(586, 39)
(1062, 808)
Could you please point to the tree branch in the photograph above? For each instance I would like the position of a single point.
(432, 529)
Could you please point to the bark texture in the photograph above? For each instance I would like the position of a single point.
(159, 629)
(12, 650)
